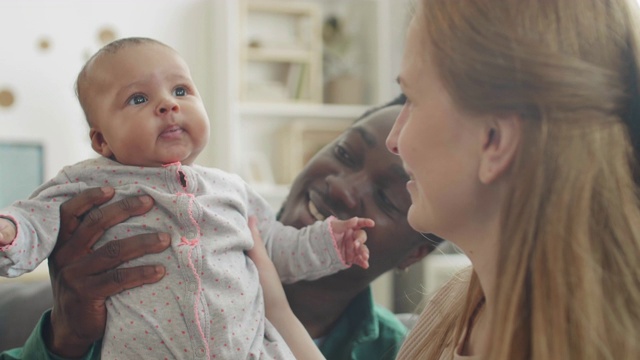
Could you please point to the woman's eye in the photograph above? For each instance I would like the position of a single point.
(180, 91)
(137, 100)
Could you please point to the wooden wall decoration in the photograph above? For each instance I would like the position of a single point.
(6, 98)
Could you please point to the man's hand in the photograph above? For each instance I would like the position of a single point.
(82, 279)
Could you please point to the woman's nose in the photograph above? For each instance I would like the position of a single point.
(392, 141)
(392, 138)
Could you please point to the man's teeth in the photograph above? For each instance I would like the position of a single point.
(314, 211)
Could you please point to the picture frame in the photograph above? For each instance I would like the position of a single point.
(22, 165)
(300, 141)
(257, 169)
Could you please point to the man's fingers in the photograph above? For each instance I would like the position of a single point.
(117, 252)
(98, 220)
(72, 210)
(115, 281)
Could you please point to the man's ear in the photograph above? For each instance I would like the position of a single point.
(416, 255)
(501, 139)
(99, 144)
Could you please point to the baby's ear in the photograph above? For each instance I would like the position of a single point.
(502, 137)
(99, 144)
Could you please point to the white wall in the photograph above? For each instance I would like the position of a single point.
(45, 107)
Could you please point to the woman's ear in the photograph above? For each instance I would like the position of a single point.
(501, 139)
(99, 144)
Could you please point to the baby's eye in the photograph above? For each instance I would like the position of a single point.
(137, 100)
(180, 91)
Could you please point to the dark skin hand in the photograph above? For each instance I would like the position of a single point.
(83, 278)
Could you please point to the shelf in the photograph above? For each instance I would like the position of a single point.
(303, 110)
(275, 194)
(279, 55)
(291, 8)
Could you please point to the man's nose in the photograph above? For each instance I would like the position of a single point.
(346, 190)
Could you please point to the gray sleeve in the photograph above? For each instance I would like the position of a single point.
(298, 254)
(37, 221)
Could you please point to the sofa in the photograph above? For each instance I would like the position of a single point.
(21, 305)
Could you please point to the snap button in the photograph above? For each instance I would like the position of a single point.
(201, 352)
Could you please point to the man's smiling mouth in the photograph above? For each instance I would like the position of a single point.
(315, 212)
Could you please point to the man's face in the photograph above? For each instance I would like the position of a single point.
(357, 176)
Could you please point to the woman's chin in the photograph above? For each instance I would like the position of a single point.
(417, 220)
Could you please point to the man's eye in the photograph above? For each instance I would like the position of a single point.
(343, 154)
(385, 201)
(137, 100)
(180, 91)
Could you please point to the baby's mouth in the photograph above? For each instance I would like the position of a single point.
(172, 129)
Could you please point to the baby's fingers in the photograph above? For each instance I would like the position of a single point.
(7, 232)
(362, 259)
(361, 250)
(341, 226)
(364, 223)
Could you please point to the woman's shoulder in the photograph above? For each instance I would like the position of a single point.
(453, 288)
(446, 299)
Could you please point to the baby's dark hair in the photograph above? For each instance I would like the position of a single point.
(111, 48)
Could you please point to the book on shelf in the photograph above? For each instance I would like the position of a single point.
(297, 81)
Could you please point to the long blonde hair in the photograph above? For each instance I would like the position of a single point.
(568, 278)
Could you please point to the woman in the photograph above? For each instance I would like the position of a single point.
(518, 135)
(535, 100)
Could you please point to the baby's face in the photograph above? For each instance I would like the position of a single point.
(144, 108)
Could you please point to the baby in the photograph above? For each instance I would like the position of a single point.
(149, 124)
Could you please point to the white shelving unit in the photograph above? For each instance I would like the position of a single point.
(245, 134)
(280, 41)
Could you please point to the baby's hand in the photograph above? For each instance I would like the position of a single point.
(7, 231)
(350, 239)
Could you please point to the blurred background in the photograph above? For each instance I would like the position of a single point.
(280, 78)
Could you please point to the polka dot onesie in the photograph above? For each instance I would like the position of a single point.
(209, 304)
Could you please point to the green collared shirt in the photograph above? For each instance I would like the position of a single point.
(365, 331)
(35, 349)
